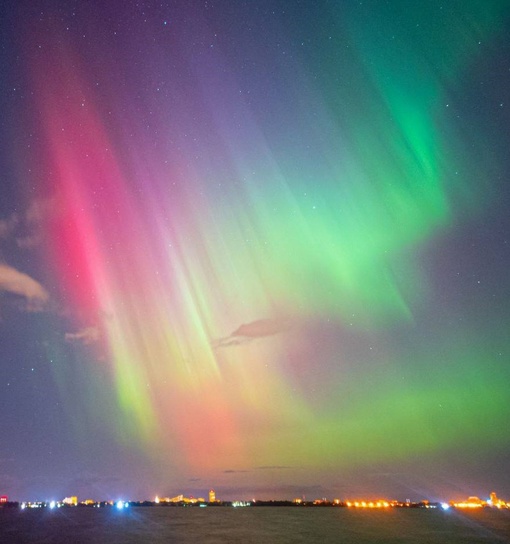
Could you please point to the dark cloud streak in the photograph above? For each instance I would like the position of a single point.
(248, 332)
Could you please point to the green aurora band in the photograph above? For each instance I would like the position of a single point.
(337, 187)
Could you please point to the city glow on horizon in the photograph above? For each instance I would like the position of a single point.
(181, 500)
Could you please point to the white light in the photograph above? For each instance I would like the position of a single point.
(445, 506)
(120, 505)
(52, 504)
(23, 506)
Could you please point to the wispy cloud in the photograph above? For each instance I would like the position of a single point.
(19, 283)
(41, 209)
(231, 471)
(86, 336)
(248, 332)
(273, 467)
(29, 241)
(7, 226)
(27, 228)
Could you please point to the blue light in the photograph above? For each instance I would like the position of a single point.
(120, 505)
(445, 506)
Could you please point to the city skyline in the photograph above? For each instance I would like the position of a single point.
(369, 502)
(261, 246)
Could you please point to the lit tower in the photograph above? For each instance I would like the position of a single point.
(212, 496)
(498, 503)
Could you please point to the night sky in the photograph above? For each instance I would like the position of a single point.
(260, 246)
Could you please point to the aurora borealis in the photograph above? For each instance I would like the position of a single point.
(256, 246)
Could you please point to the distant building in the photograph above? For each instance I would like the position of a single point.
(472, 502)
(496, 502)
(71, 501)
(212, 496)
(3, 499)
